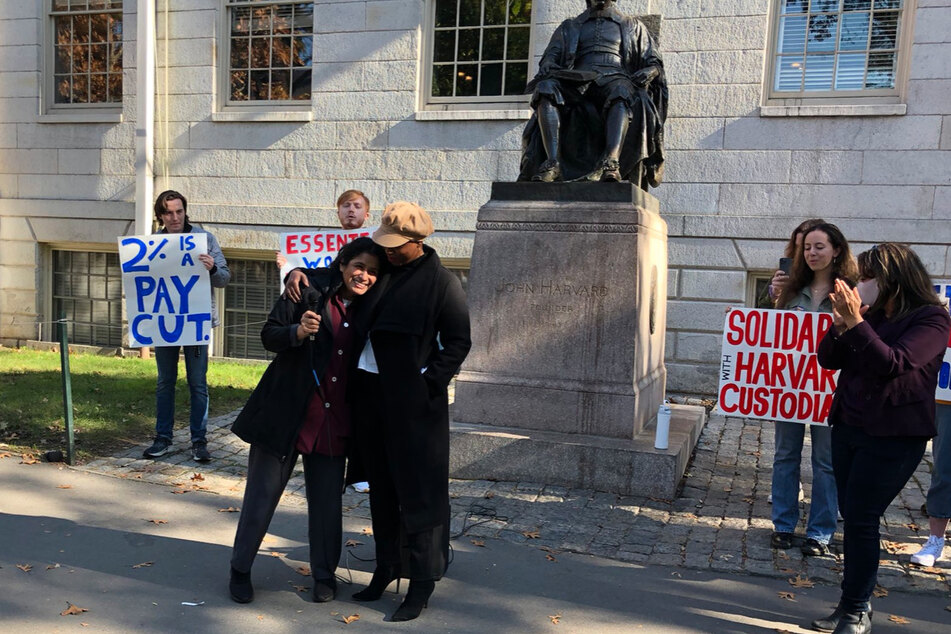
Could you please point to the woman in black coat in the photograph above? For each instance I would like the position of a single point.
(888, 338)
(299, 408)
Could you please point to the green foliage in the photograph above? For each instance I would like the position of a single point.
(113, 399)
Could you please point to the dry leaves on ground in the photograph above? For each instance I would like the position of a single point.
(897, 548)
(25, 567)
(72, 609)
(299, 588)
(52, 566)
(303, 570)
(64, 486)
(879, 592)
(4, 454)
(350, 619)
(230, 509)
(894, 618)
(489, 495)
(531, 534)
(789, 596)
(197, 477)
(274, 553)
(801, 582)
(478, 542)
(144, 564)
(366, 530)
(352, 543)
(156, 521)
(912, 526)
(28, 458)
(179, 491)
(550, 557)
(555, 618)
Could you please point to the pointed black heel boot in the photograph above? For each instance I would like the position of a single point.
(417, 598)
(382, 577)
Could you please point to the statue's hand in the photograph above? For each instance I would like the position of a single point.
(644, 76)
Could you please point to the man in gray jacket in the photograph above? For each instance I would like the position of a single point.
(171, 213)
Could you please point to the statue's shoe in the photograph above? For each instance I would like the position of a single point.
(610, 171)
(549, 172)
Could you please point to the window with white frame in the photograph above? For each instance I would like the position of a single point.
(85, 69)
(87, 290)
(478, 51)
(838, 49)
(268, 52)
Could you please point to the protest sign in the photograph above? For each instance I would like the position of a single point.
(167, 289)
(313, 249)
(768, 366)
(942, 392)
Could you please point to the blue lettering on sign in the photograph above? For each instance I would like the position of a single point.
(187, 260)
(143, 287)
(944, 376)
(186, 242)
(184, 290)
(131, 266)
(319, 262)
(171, 336)
(135, 329)
(200, 319)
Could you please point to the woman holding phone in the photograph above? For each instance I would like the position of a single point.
(823, 260)
(888, 340)
(299, 409)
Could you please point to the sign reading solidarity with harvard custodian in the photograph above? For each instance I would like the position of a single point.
(167, 289)
(316, 249)
(768, 366)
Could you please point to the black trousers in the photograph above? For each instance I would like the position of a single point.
(422, 555)
(869, 472)
(267, 478)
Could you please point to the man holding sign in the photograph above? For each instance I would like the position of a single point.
(170, 211)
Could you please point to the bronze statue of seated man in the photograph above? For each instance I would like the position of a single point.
(600, 101)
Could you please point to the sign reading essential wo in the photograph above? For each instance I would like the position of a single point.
(167, 289)
(769, 369)
(315, 249)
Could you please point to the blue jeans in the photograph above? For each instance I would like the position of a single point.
(824, 506)
(939, 493)
(196, 367)
(869, 472)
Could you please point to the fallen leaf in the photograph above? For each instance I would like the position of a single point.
(85, 624)
(879, 592)
(275, 553)
(665, 500)
(912, 526)
(350, 619)
(749, 500)
(260, 617)
(144, 564)
(789, 596)
(550, 557)
(801, 582)
(531, 534)
(299, 588)
(230, 509)
(782, 555)
(788, 571)
(52, 566)
(5, 455)
(179, 491)
(28, 458)
(753, 453)
(158, 521)
(352, 543)
(64, 486)
(896, 548)
(197, 477)
(303, 570)
(478, 542)
(894, 618)
(555, 618)
(25, 567)
(72, 609)
(366, 530)
(489, 495)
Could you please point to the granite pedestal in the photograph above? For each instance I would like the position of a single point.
(567, 292)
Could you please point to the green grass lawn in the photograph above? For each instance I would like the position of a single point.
(113, 399)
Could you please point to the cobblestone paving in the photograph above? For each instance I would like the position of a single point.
(720, 521)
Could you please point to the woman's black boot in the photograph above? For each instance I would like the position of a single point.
(382, 577)
(240, 586)
(417, 598)
(854, 623)
(829, 623)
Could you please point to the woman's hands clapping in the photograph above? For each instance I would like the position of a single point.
(847, 308)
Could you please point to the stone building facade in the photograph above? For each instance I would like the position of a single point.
(752, 147)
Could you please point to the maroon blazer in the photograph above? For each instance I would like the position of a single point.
(889, 370)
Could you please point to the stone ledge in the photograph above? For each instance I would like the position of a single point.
(626, 467)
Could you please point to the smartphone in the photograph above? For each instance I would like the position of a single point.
(785, 265)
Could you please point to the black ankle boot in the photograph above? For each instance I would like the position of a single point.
(417, 598)
(240, 586)
(382, 577)
(829, 623)
(854, 623)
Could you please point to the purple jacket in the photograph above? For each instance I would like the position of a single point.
(889, 370)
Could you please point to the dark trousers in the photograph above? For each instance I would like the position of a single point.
(869, 472)
(421, 555)
(267, 478)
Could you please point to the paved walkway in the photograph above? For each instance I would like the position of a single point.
(719, 522)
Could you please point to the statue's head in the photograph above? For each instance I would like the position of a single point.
(599, 4)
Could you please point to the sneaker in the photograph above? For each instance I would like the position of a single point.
(159, 448)
(200, 452)
(781, 541)
(361, 487)
(930, 552)
(814, 548)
